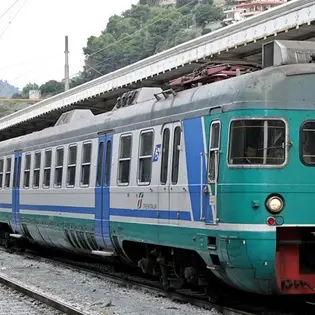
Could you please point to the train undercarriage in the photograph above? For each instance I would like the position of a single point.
(177, 268)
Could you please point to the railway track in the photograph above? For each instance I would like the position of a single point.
(40, 297)
(234, 305)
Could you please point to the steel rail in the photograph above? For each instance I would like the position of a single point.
(55, 304)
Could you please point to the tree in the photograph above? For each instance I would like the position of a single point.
(51, 87)
(27, 88)
(206, 13)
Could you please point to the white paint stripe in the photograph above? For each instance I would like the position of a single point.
(191, 224)
(60, 214)
(5, 210)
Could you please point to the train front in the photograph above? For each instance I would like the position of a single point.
(270, 183)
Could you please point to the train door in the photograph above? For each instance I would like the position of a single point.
(16, 191)
(164, 186)
(102, 189)
(178, 186)
(213, 172)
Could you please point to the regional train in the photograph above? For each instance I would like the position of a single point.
(210, 180)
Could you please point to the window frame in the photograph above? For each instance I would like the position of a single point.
(45, 168)
(300, 142)
(119, 183)
(108, 163)
(58, 166)
(174, 150)
(256, 166)
(139, 183)
(99, 164)
(168, 165)
(28, 154)
(211, 149)
(75, 145)
(34, 168)
(2, 172)
(85, 164)
(10, 172)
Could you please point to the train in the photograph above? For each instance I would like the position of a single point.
(206, 181)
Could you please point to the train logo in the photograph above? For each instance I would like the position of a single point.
(140, 200)
(156, 153)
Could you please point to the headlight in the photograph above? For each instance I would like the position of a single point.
(274, 204)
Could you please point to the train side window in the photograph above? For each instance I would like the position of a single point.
(1, 172)
(86, 164)
(59, 167)
(72, 160)
(307, 143)
(213, 150)
(8, 173)
(36, 171)
(145, 157)
(124, 159)
(47, 169)
(165, 155)
(257, 142)
(176, 151)
(99, 163)
(27, 171)
(108, 163)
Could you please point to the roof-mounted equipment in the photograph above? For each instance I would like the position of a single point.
(137, 96)
(284, 52)
(74, 116)
(165, 93)
(212, 73)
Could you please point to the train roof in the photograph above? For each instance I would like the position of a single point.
(283, 87)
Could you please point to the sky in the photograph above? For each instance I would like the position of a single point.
(32, 36)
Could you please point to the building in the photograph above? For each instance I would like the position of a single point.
(166, 2)
(243, 9)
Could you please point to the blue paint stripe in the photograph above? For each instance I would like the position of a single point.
(152, 214)
(6, 205)
(159, 214)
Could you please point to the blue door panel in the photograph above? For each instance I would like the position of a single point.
(102, 195)
(16, 192)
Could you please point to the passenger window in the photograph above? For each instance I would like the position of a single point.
(59, 167)
(176, 151)
(47, 169)
(257, 141)
(307, 143)
(99, 164)
(8, 173)
(86, 163)
(124, 159)
(213, 150)
(1, 173)
(108, 163)
(145, 157)
(72, 160)
(165, 154)
(36, 172)
(27, 171)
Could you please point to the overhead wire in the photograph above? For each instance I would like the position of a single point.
(103, 48)
(10, 22)
(124, 38)
(8, 9)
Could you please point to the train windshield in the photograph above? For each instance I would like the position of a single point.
(307, 143)
(257, 141)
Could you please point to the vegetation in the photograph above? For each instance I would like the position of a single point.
(6, 89)
(139, 32)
